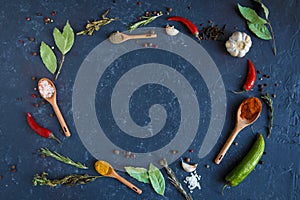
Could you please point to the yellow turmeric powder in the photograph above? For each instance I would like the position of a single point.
(250, 108)
(102, 167)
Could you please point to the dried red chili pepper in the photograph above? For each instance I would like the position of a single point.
(251, 78)
(44, 132)
(190, 25)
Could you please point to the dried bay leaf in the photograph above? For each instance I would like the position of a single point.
(48, 57)
(260, 30)
(156, 179)
(140, 174)
(250, 15)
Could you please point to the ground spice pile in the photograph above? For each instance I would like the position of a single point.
(251, 108)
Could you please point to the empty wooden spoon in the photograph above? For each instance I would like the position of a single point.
(48, 92)
(117, 37)
(105, 169)
(247, 114)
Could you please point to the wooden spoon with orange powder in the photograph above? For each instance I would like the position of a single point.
(247, 114)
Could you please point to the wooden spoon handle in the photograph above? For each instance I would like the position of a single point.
(127, 183)
(141, 36)
(227, 144)
(61, 120)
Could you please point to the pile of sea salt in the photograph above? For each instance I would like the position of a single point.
(193, 181)
(46, 89)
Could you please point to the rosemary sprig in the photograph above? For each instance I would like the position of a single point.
(145, 21)
(173, 179)
(70, 180)
(96, 25)
(57, 156)
(267, 99)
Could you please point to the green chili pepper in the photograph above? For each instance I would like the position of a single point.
(248, 163)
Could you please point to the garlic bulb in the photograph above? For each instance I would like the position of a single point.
(188, 167)
(238, 44)
(171, 30)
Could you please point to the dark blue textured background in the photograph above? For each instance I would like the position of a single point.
(277, 178)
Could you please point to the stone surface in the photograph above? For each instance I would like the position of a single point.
(276, 178)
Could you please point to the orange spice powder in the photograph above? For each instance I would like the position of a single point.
(251, 108)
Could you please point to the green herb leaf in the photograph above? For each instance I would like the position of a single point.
(156, 179)
(260, 30)
(266, 10)
(250, 15)
(65, 40)
(144, 22)
(140, 174)
(48, 57)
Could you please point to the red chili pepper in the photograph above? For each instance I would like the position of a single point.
(190, 25)
(44, 132)
(251, 78)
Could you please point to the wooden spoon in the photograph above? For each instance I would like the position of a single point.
(118, 38)
(105, 169)
(240, 124)
(51, 98)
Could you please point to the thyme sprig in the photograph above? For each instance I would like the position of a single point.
(70, 180)
(267, 99)
(96, 25)
(146, 20)
(173, 179)
(57, 156)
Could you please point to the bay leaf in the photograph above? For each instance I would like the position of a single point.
(156, 179)
(266, 10)
(140, 174)
(65, 40)
(250, 15)
(48, 57)
(260, 30)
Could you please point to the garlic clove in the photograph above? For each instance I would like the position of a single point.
(188, 167)
(170, 30)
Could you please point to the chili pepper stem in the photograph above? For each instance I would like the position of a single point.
(238, 92)
(55, 138)
(224, 187)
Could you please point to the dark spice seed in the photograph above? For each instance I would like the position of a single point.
(236, 143)
(34, 53)
(35, 89)
(28, 18)
(207, 166)
(264, 153)
(154, 12)
(36, 105)
(260, 79)
(189, 7)
(274, 95)
(265, 75)
(147, 14)
(169, 9)
(265, 84)
(261, 162)
(53, 13)
(47, 20)
(260, 86)
(276, 84)
(31, 39)
(191, 150)
(13, 167)
(187, 160)
(258, 71)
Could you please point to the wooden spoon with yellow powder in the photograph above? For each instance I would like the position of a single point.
(105, 169)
